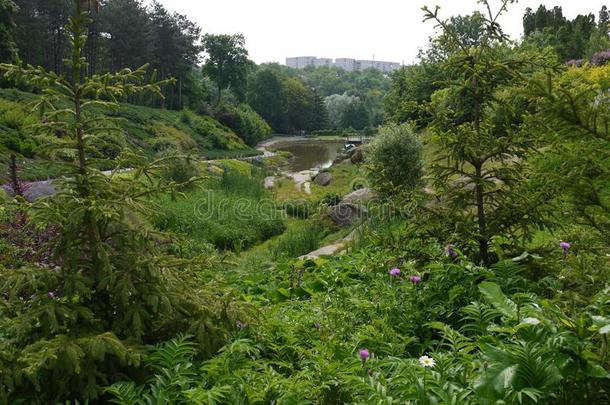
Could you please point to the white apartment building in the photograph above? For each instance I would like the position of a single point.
(386, 67)
(318, 62)
(347, 64)
(300, 62)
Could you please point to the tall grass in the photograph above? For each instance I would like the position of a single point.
(297, 241)
(232, 214)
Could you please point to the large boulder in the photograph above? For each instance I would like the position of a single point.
(357, 156)
(34, 190)
(323, 179)
(360, 195)
(39, 189)
(346, 215)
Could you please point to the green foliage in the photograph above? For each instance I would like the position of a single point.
(297, 241)
(227, 62)
(181, 171)
(246, 123)
(8, 49)
(395, 160)
(174, 375)
(481, 167)
(318, 314)
(81, 318)
(299, 208)
(266, 96)
(574, 119)
(573, 40)
(234, 213)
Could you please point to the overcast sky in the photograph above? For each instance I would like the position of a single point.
(391, 30)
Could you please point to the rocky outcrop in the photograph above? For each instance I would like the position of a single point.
(360, 195)
(323, 179)
(346, 215)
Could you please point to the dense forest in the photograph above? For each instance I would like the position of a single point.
(458, 255)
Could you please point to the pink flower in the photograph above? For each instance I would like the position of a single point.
(415, 279)
(451, 252)
(395, 272)
(364, 355)
(565, 246)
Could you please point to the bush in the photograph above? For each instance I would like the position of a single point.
(299, 209)
(180, 170)
(331, 199)
(395, 160)
(246, 123)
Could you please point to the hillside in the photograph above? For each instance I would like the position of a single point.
(150, 130)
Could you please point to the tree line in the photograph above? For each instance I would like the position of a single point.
(573, 40)
(125, 34)
(208, 70)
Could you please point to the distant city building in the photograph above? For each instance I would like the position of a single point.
(300, 62)
(347, 64)
(318, 62)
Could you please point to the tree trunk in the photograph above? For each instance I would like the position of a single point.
(219, 96)
(13, 175)
(483, 242)
(180, 106)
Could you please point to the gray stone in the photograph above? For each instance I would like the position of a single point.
(361, 195)
(346, 215)
(39, 189)
(357, 157)
(323, 179)
(270, 182)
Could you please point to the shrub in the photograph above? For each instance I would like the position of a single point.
(298, 209)
(331, 199)
(246, 123)
(395, 160)
(180, 170)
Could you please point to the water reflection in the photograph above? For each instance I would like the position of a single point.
(311, 154)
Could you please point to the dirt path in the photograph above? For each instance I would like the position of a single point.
(337, 248)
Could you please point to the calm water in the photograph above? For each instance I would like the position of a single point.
(311, 154)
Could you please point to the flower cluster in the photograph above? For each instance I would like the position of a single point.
(565, 246)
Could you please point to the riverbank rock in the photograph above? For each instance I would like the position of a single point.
(346, 215)
(357, 156)
(269, 182)
(323, 179)
(360, 195)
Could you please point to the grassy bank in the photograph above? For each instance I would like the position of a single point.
(149, 130)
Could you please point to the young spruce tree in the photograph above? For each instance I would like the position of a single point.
(71, 328)
(481, 170)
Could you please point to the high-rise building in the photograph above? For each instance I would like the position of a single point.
(300, 62)
(318, 62)
(347, 64)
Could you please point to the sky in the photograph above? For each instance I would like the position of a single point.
(388, 30)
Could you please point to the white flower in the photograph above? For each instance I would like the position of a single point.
(426, 361)
(531, 321)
